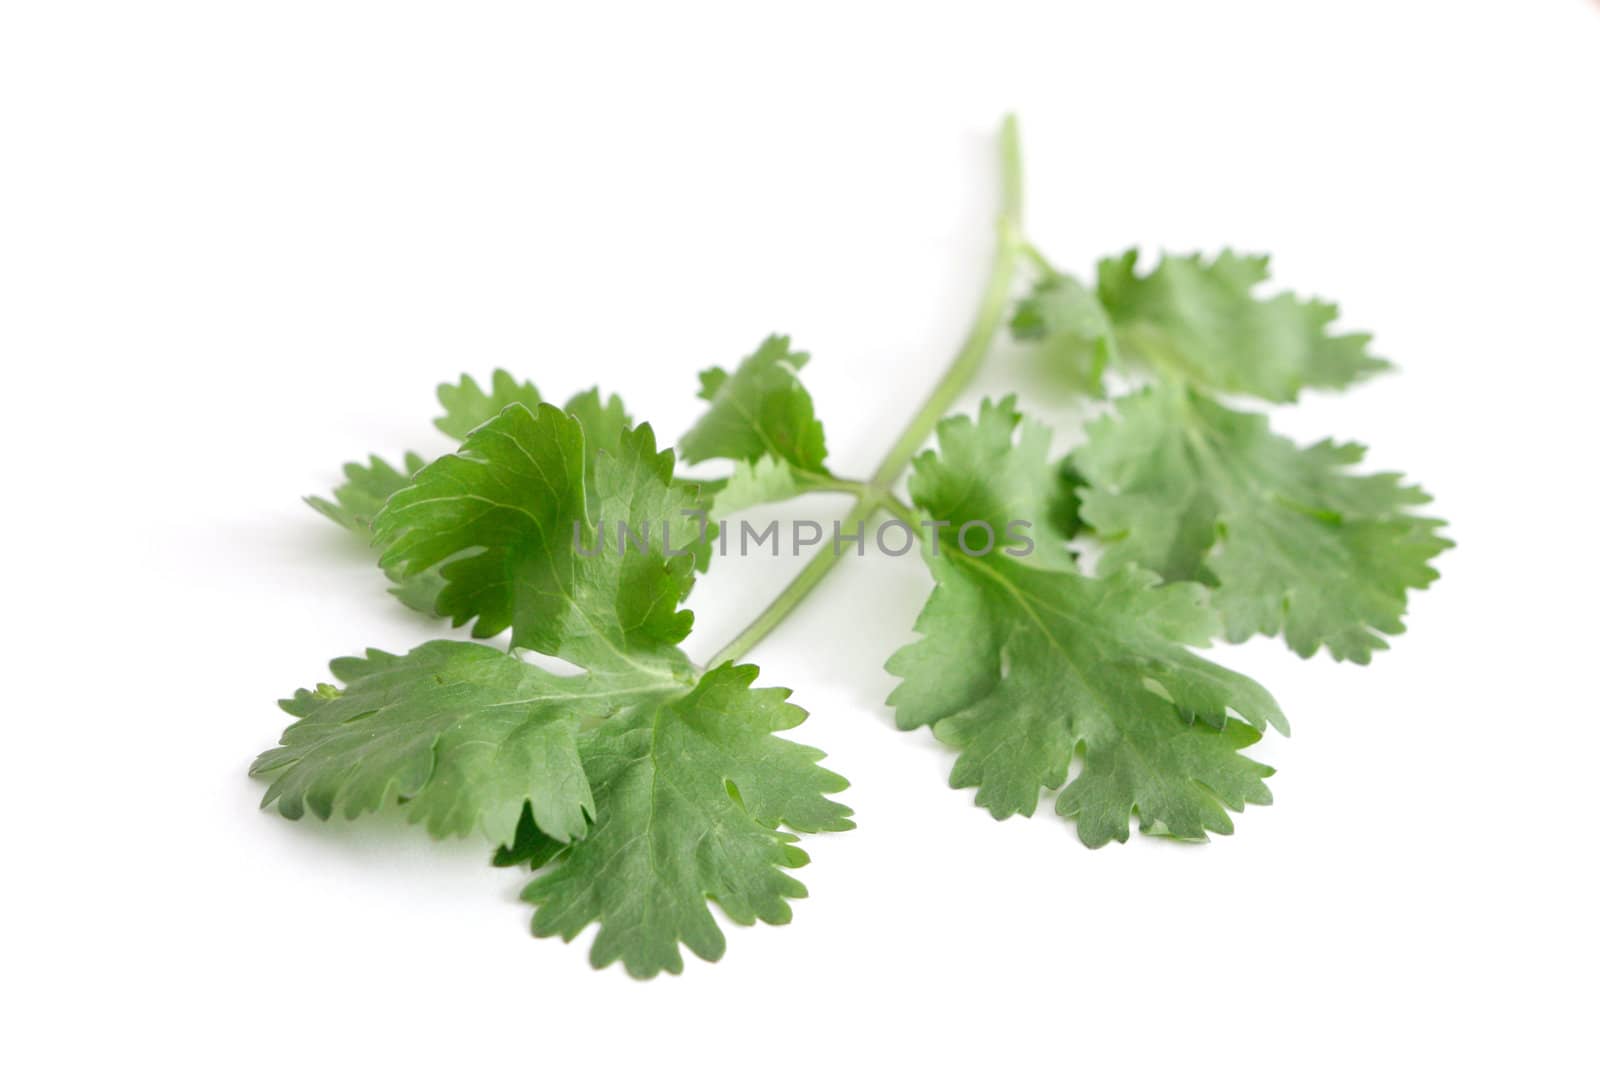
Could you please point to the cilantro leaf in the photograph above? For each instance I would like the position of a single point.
(419, 592)
(509, 518)
(761, 409)
(1003, 478)
(643, 797)
(764, 481)
(1293, 542)
(529, 847)
(463, 735)
(1072, 329)
(467, 406)
(1065, 513)
(762, 418)
(689, 794)
(1021, 666)
(365, 489)
(358, 501)
(1200, 320)
(605, 421)
(640, 797)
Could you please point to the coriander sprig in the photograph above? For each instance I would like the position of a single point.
(644, 786)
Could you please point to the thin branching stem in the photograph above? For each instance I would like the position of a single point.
(877, 492)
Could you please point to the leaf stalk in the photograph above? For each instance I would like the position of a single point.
(877, 493)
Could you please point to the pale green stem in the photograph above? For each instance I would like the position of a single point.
(905, 513)
(876, 493)
(1036, 257)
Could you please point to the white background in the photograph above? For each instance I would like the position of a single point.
(241, 243)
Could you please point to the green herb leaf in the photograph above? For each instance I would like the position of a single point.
(685, 785)
(605, 422)
(994, 471)
(1294, 543)
(462, 735)
(356, 502)
(510, 513)
(467, 406)
(531, 847)
(1071, 329)
(1022, 666)
(761, 409)
(1065, 506)
(764, 481)
(1199, 320)
(689, 794)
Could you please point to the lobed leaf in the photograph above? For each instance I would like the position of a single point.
(357, 502)
(1023, 666)
(760, 409)
(1291, 540)
(1072, 330)
(1200, 320)
(510, 522)
(467, 406)
(365, 489)
(690, 793)
(463, 735)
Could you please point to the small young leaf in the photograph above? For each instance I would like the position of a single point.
(761, 409)
(763, 481)
(1072, 330)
